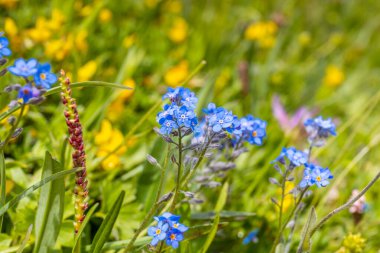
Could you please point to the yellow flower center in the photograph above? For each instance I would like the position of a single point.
(172, 236)
(175, 225)
(318, 179)
(158, 231)
(254, 133)
(43, 76)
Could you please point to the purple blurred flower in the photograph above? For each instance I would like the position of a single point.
(286, 121)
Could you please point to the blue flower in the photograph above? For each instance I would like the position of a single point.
(174, 237)
(257, 132)
(296, 157)
(158, 233)
(24, 68)
(188, 98)
(181, 96)
(169, 225)
(4, 50)
(44, 77)
(220, 120)
(28, 92)
(186, 117)
(314, 174)
(319, 130)
(172, 94)
(251, 237)
(211, 109)
(167, 126)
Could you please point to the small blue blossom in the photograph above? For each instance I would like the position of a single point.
(28, 92)
(174, 237)
(211, 109)
(158, 232)
(167, 126)
(188, 98)
(169, 228)
(220, 120)
(4, 49)
(296, 157)
(44, 78)
(24, 68)
(314, 174)
(251, 237)
(256, 132)
(319, 130)
(186, 117)
(172, 94)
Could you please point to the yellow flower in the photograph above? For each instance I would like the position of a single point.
(10, 27)
(105, 15)
(288, 199)
(117, 106)
(129, 41)
(173, 6)
(87, 71)
(86, 10)
(354, 243)
(177, 74)
(8, 186)
(57, 20)
(81, 40)
(262, 32)
(178, 32)
(59, 48)
(41, 32)
(334, 76)
(108, 139)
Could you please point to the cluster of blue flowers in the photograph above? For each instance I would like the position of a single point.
(319, 130)
(179, 113)
(169, 229)
(42, 76)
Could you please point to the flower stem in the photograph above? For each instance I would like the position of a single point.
(282, 198)
(9, 137)
(344, 206)
(153, 209)
(278, 238)
(178, 182)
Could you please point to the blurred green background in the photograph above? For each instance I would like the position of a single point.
(321, 55)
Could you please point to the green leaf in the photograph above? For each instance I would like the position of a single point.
(2, 183)
(34, 187)
(26, 239)
(142, 241)
(76, 247)
(219, 206)
(57, 89)
(305, 243)
(50, 207)
(280, 248)
(105, 229)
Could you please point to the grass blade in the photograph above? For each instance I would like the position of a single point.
(107, 225)
(2, 183)
(218, 208)
(26, 239)
(34, 187)
(50, 207)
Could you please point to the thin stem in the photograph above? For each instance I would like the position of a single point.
(282, 197)
(189, 174)
(179, 164)
(13, 127)
(344, 206)
(278, 238)
(153, 209)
